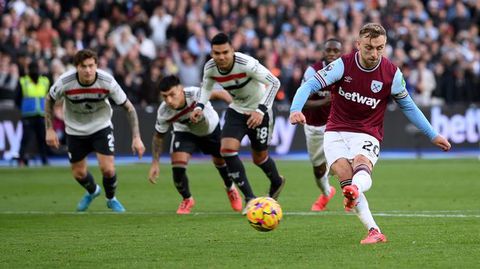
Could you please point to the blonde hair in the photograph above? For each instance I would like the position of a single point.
(372, 30)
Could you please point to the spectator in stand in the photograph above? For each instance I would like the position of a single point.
(198, 44)
(8, 82)
(436, 27)
(47, 35)
(189, 68)
(150, 90)
(159, 22)
(424, 82)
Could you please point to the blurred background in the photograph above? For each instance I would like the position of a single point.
(435, 43)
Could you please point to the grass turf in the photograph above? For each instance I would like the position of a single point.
(425, 207)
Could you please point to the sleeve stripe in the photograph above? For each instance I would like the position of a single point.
(272, 92)
(240, 61)
(69, 78)
(270, 79)
(401, 95)
(321, 80)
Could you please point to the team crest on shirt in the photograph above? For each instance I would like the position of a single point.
(376, 86)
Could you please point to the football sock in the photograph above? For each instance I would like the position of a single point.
(323, 184)
(361, 178)
(110, 185)
(223, 171)
(270, 169)
(363, 212)
(180, 180)
(88, 183)
(236, 171)
(346, 182)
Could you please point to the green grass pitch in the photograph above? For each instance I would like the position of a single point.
(428, 209)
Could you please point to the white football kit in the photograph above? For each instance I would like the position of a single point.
(314, 135)
(249, 83)
(180, 118)
(86, 107)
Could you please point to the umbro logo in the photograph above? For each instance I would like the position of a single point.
(348, 79)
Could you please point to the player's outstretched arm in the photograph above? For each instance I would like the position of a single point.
(441, 142)
(137, 144)
(297, 117)
(51, 137)
(157, 147)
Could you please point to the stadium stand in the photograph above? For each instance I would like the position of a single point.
(435, 42)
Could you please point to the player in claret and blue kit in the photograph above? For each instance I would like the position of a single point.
(364, 81)
(316, 111)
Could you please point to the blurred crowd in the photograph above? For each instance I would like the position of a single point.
(435, 43)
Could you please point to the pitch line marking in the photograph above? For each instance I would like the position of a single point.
(398, 214)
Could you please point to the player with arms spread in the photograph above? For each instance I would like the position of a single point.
(253, 88)
(316, 111)
(85, 92)
(204, 135)
(364, 81)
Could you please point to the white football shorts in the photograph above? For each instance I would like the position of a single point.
(314, 137)
(348, 145)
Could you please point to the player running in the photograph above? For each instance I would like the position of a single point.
(85, 92)
(316, 111)
(187, 138)
(253, 88)
(364, 81)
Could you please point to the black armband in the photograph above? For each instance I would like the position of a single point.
(262, 108)
(200, 105)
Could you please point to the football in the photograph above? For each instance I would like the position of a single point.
(264, 213)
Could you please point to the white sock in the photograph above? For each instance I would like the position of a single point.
(323, 184)
(363, 212)
(362, 180)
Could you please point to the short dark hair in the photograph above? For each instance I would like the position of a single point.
(220, 39)
(333, 40)
(84, 54)
(372, 30)
(169, 82)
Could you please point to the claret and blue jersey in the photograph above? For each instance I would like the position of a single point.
(360, 96)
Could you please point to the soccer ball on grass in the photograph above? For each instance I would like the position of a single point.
(264, 213)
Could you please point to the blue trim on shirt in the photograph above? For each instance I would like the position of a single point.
(413, 113)
(303, 93)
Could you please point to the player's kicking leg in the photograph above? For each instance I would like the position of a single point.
(355, 177)
(362, 182)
